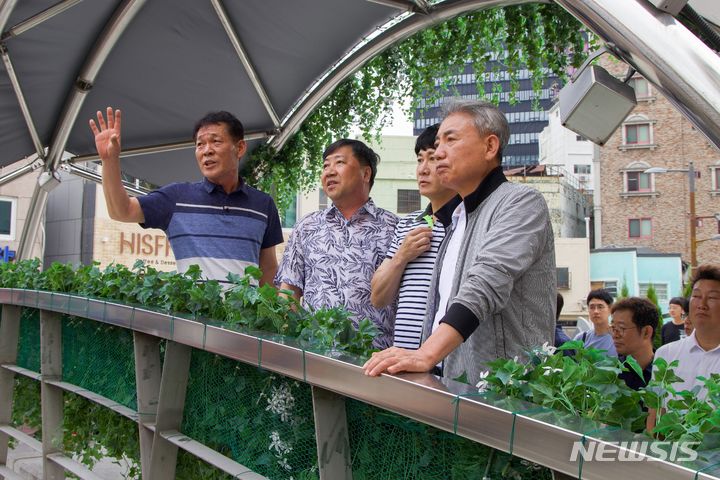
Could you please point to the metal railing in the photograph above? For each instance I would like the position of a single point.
(509, 425)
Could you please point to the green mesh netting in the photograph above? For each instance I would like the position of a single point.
(260, 419)
(387, 446)
(99, 358)
(29, 341)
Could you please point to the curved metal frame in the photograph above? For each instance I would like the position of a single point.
(360, 55)
(39, 148)
(107, 40)
(648, 40)
(35, 20)
(245, 60)
(6, 8)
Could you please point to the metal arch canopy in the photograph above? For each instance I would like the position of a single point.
(167, 62)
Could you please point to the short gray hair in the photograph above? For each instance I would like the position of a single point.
(487, 117)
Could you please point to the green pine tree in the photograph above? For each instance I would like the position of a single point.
(652, 296)
(624, 290)
(687, 290)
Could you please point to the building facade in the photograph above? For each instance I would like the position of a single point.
(652, 209)
(567, 150)
(572, 258)
(15, 197)
(81, 231)
(526, 122)
(637, 268)
(570, 208)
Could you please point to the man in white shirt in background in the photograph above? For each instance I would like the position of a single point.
(699, 353)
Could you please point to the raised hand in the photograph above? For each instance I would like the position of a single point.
(107, 135)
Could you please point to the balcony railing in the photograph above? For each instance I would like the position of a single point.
(321, 396)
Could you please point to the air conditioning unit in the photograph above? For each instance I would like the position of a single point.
(583, 178)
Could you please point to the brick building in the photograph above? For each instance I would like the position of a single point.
(652, 210)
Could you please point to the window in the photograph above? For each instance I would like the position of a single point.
(715, 173)
(7, 218)
(408, 201)
(582, 169)
(638, 182)
(322, 200)
(611, 286)
(563, 277)
(580, 138)
(637, 134)
(639, 228)
(641, 87)
(661, 290)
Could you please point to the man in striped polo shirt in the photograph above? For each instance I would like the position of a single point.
(220, 224)
(406, 272)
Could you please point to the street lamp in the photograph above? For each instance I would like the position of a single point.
(715, 237)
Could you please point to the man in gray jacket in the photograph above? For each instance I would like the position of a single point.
(496, 269)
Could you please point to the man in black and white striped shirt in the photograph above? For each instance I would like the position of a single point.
(407, 271)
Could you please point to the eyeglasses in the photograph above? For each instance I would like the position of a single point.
(617, 330)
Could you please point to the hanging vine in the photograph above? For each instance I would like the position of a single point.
(540, 37)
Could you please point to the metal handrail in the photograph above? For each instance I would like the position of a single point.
(502, 423)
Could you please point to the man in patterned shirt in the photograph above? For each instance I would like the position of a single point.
(333, 253)
(406, 273)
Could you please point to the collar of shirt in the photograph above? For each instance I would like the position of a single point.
(696, 345)
(210, 187)
(444, 213)
(457, 213)
(369, 208)
(490, 183)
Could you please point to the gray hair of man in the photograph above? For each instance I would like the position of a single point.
(488, 119)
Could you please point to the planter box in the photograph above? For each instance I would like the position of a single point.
(119, 315)
(232, 344)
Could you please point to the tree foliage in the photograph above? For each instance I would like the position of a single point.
(652, 296)
(541, 37)
(624, 290)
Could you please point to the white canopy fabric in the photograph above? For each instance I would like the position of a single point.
(174, 62)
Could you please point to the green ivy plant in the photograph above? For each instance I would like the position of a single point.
(684, 418)
(244, 304)
(586, 384)
(540, 37)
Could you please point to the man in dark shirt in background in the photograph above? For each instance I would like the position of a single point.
(633, 328)
(674, 330)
